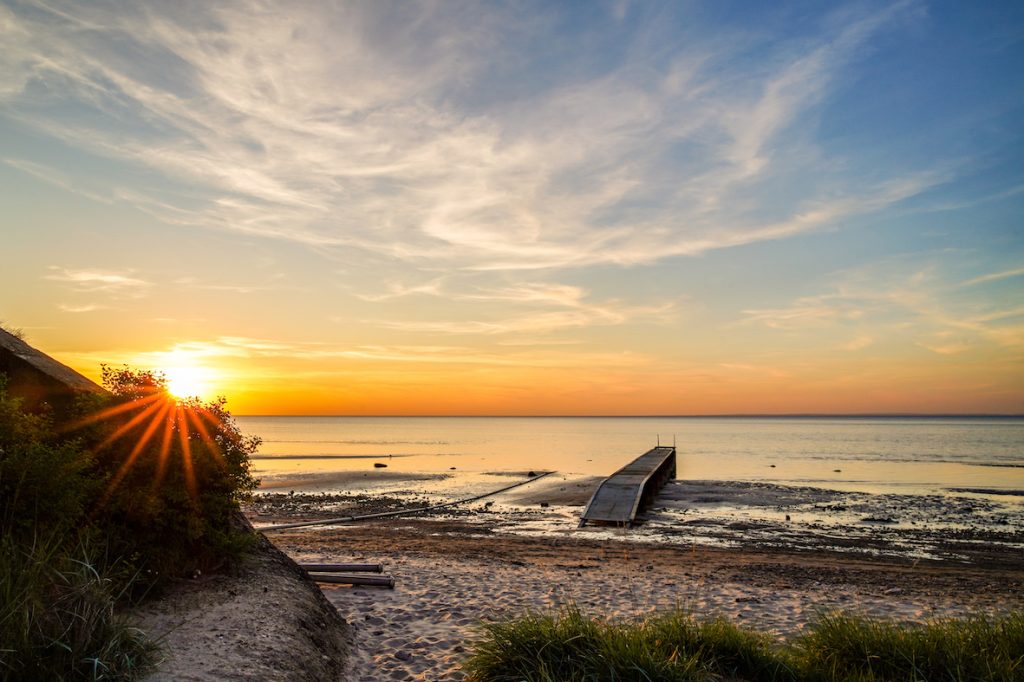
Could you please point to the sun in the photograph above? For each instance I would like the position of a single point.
(188, 381)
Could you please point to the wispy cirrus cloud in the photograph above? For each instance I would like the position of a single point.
(377, 128)
(56, 178)
(926, 307)
(268, 353)
(121, 283)
(525, 308)
(79, 308)
(808, 311)
(994, 277)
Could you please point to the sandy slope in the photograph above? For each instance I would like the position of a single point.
(266, 622)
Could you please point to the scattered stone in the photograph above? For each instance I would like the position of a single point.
(545, 504)
(379, 465)
(531, 474)
(403, 655)
(878, 519)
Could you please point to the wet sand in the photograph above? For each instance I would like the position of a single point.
(712, 547)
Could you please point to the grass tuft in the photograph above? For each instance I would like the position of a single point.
(570, 647)
(674, 646)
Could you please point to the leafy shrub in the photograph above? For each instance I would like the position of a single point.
(158, 480)
(46, 483)
(173, 474)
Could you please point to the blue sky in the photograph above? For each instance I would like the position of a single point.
(655, 207)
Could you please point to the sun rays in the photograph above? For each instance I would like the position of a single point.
(160, 426)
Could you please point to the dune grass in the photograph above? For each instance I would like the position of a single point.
(57, 618)
(845, 647)
(570, 647)
(675, 646)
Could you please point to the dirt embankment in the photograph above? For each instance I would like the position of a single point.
(268, 621)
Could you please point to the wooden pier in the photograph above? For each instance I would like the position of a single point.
(625, 493)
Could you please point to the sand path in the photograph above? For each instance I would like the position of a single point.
(449, 580)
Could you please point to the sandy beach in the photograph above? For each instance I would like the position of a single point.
(493, 559)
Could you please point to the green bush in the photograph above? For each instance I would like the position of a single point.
(46, 483)
(127, 491)
(173, 474)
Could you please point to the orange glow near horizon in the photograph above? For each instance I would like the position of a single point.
(290, 386)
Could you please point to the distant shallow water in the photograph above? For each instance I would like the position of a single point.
(977, 456)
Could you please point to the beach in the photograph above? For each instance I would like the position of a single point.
(713, 547)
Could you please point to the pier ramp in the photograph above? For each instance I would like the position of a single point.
(621, 496)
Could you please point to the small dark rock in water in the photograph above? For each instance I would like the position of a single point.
(531, 474)
(787, 517)
(837, 470)
(378, 465)
(451, 468)
(403, 655)
(878, 519)
(544, 504)
(772, 466)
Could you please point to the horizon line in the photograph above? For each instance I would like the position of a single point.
(765, 415)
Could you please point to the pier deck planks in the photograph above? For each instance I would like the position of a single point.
(619, 498)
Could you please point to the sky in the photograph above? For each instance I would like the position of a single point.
(542, 208)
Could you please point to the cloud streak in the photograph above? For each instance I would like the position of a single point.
(922, 306)
(373, 129)
(115, 283)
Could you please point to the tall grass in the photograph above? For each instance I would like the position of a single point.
(57, 619)
(569, 647)
(844, 647)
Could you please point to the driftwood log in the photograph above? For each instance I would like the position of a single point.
(354, 579)
(343, 568)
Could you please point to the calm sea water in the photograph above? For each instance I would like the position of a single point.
(919, 455)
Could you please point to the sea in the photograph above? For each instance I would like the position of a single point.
(904, 455)
(921, 488)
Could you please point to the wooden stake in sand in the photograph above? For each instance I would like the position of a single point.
(343, 568)
(341, 579)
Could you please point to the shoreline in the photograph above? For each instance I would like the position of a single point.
(960, 527)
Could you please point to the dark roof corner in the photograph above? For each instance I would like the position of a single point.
(37, 378)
